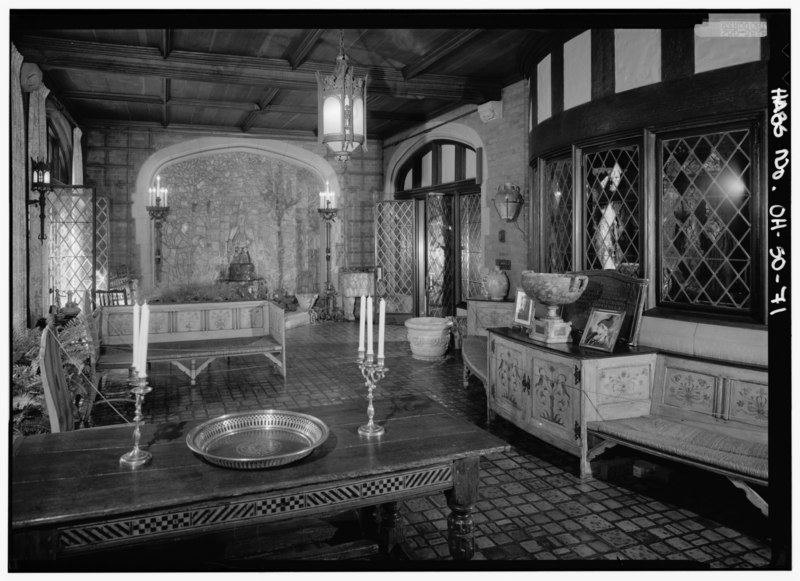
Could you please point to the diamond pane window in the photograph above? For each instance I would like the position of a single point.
(612, 227)
(471, 246)
(706, 220)
(558, 204)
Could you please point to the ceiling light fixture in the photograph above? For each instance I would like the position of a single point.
(342, 108)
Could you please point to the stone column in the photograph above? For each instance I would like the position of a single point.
(38, 290)
(19, 241)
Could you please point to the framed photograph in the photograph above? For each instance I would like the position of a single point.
(523, 309)
(602, 329)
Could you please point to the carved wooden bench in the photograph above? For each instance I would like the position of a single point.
(482, 314)
(709, 415)
(195, 333)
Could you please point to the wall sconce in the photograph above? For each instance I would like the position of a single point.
(40, 183)
(158, 213)
(508, 202)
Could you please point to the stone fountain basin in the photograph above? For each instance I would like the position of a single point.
(553, 288)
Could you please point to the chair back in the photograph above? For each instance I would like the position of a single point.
(112, 298)
(57, 395)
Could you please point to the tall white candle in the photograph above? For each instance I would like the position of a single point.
(369, 326)
(136, 317)
(362, 323)
(381, 327)
(143, 338)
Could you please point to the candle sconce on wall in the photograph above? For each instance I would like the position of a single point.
(158, 210)
(40, 183)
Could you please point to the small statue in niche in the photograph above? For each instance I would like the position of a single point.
(239, 239)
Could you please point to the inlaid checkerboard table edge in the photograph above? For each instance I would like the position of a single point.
(287, 504)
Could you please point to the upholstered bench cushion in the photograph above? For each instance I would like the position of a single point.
(473, 352)
(693, 442)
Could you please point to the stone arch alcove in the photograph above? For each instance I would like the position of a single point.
(263, 191)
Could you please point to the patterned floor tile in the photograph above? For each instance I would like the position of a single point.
(532, 506)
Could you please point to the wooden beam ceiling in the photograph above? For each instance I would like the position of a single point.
(217, 68)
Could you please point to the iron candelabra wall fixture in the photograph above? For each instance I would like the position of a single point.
(40, 183)
(372, 371)
(342, 108)
(158, 210)
(327, 211)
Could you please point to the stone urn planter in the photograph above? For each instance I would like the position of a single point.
(428, 337)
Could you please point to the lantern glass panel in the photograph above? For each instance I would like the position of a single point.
(332, 116)
(358, 116)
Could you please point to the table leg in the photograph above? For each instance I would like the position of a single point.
(392, 530)
(461, 499)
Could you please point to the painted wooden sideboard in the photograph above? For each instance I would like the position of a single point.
(552, 391)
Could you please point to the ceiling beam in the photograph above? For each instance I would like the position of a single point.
(306, 44)
(288, 133)
(165, 46)
(165, 106)
(253, 109)
(51, 53)
(265, 100)
(442, 50)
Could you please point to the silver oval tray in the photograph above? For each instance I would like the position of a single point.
(259, 439)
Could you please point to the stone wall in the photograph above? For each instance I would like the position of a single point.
(207, 195)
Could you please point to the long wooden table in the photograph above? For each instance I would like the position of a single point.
(70, 495)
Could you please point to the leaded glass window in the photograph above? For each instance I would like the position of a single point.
(471, 246)
(558, 215)
(706, 213)
(612, 198)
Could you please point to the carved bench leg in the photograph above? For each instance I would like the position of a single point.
(753, 496)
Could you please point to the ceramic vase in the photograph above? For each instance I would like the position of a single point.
(497, 285)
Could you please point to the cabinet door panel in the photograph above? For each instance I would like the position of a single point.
(509, 383)
(555, 398)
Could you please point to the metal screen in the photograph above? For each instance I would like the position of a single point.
(79, 243)
(394, 254)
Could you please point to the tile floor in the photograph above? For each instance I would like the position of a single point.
(532, 504)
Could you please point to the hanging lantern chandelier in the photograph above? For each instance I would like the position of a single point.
(342, 108)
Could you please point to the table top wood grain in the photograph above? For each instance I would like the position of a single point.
(76, 476)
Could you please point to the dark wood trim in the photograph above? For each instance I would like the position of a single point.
(603, 75)
(534, 100)
(557, 80)
(463, 187)
(56, 53)
(677, 53)
(298, 56)
(739, 88)
(442, 50)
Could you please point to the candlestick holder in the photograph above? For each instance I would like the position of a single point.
(373, 373)
(137, 457)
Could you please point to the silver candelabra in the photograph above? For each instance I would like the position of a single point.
(373, 373)
(137, 457)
